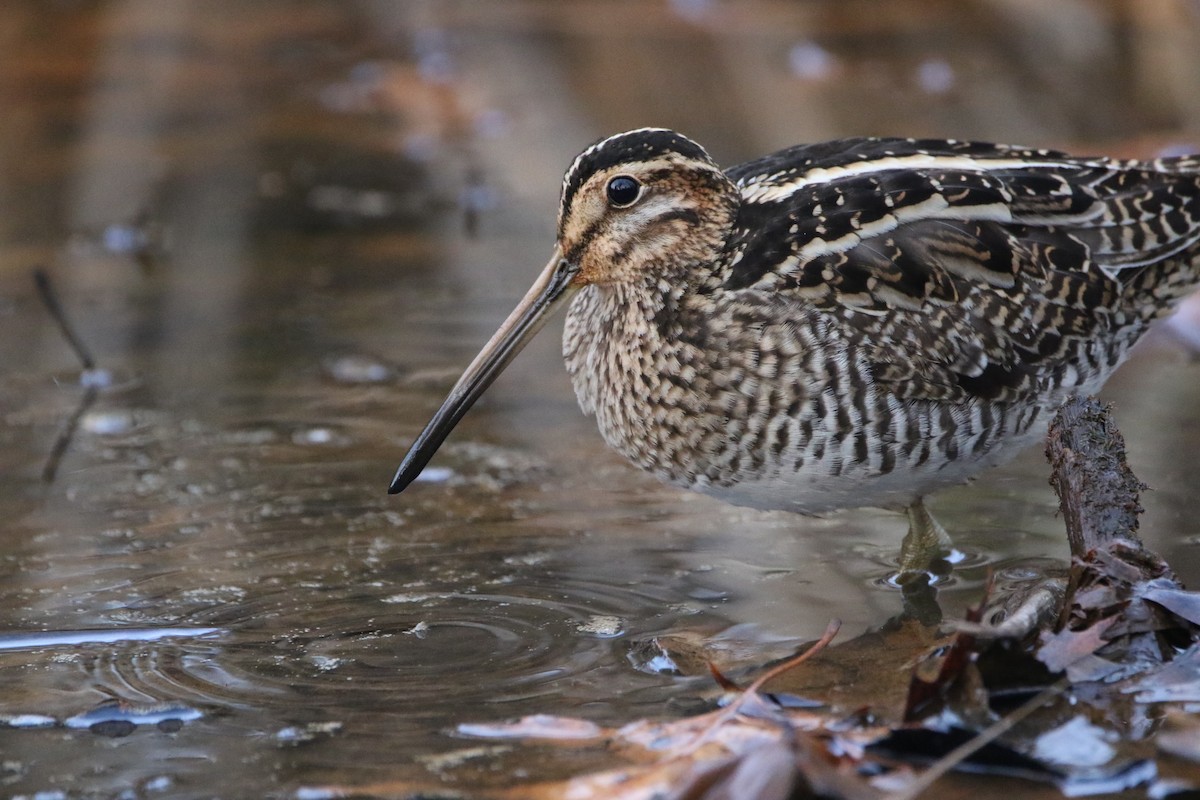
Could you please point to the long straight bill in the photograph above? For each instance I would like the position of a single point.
(550, 290)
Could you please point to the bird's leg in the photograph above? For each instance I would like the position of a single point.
(925, 541)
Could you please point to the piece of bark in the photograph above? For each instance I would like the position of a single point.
(1119, 616)
(1097, 492)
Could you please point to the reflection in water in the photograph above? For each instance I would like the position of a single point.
(23, 641)
(284, 228)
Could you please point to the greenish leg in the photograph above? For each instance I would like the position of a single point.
(925, 541)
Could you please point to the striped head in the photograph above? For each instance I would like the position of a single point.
(641, 201)
(639, 205)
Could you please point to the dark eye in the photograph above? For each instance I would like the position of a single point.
(623, 191)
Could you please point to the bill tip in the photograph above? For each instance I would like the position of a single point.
(399, 483)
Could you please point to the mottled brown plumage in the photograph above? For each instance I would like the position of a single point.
(852, 323)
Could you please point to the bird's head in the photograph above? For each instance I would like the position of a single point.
(640, 203)
(643, 205)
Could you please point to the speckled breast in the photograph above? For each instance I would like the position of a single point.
(774, 411)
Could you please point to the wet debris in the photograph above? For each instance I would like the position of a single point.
(484, 466)
(537, 726)
(1180, 736)
(1059, 684)
(443, 762)
(113, 422)
(693, 651)
(352, 369)
(319, 435)
(317, 187)
(113, 718)
(142, 238)
(601, 626)
(309, 732)
(116, 719)
(420, 630)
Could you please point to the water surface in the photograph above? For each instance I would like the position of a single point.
(283, 228)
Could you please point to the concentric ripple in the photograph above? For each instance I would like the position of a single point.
(508, 640)
(946, 571)
(503, 643)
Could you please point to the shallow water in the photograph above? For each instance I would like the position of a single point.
(283, 228)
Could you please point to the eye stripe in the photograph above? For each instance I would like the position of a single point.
(688, 215)
(585, 239)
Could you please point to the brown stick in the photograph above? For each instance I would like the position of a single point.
(1097, 492)
(41, 279)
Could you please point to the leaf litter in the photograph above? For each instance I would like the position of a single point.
(1078, 685)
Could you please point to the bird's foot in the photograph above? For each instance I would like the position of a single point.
(922, 564)
(926, 542)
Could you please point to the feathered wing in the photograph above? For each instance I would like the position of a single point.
(963, 269)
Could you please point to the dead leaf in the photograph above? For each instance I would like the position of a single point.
(956, 674)
(1059, 650)
(855, 674)
(926, 745)
(1180, 736)
(1179, 601)
(537, 726)
(1176, 682)
(767, 773)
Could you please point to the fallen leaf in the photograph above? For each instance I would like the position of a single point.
(1180, 736)
(537, 726)
(997, 758)
(765, 773)
(1178, 601)
(926, 745)
(1176, 682)
(1059, 650)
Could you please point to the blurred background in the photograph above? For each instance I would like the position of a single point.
(282, 228)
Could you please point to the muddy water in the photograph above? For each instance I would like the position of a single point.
(282, 229)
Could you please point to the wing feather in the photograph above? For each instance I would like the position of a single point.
(962, 269)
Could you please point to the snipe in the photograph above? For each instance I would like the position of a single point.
(853, 323)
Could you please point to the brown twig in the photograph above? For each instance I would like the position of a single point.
(63, 440)
(831, 630)
(41, 279)
(751, 691)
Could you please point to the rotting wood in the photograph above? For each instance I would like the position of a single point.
(1097, 492)
(1110, 625)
